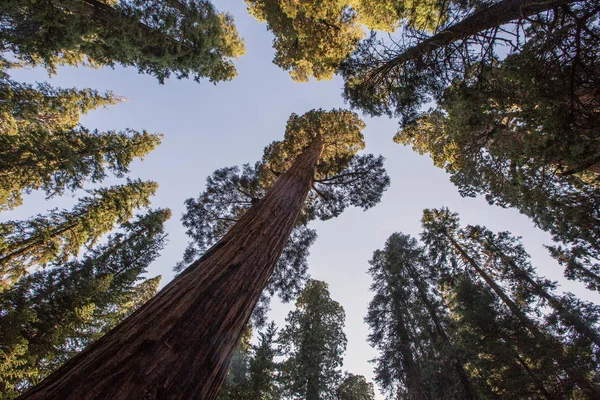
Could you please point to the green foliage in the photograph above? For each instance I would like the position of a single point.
(466, 316)
(520, 129)
(158, 37)
(263, 384)
(497, 264)
(312, 38)
(410, 326)
(60, 234)
(314, 342)
(50, 315)
(43, 146)
(342, 178)
(355, 387)
(515, 140)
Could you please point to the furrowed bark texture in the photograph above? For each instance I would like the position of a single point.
(178, 345)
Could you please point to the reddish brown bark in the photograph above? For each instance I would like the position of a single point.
(178, 345)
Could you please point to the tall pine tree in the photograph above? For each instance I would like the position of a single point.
(158, 37)
(50, 315)
(60, 234)
(42, 145)
(314, 342)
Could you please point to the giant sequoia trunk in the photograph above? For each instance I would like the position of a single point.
(178, 345)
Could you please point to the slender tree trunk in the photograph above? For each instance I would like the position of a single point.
(178, 345)
(527, 323)
(538, 384)
(469, 391)
(577, 323)
(587, 273)
(312, 387)
(27, 245)
(495, 15)
(413, 380)
(579, 376)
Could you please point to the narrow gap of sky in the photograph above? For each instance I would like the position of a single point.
(208, 127)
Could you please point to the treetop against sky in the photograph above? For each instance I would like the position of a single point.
(207, 127)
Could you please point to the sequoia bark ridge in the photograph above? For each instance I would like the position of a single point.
(178, 345)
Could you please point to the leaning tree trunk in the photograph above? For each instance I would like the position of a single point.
(178, 345)
(589, 388)
(571, 318)
(469, 391)
(493, 16)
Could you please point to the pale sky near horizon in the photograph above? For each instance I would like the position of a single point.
(208, 127)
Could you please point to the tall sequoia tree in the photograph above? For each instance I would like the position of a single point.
(60, 234)
(230, 192)
(42, 145)
(181, 341)
(314, 342)
(50, 315)
(158, 37)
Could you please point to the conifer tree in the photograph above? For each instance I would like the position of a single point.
(518, 128)
(552, 356)
(230, 192)
(312, 38)
(263, 367)
(314, 342)
(466, 316)
(397, 78)
(42, 145)
(185, 352)
(158, 37)
(508, 259)
(355, 387)
(60, 234)
(411, 328)
(50, 315)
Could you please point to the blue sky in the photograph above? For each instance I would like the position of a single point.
(208, 127)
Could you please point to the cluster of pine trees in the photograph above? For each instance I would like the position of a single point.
(302, 360)
(461, 314)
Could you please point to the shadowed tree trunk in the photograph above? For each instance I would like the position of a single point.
(589, 388)
(413, 375)
(469, 391)
(178, 345)
(573, 319)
